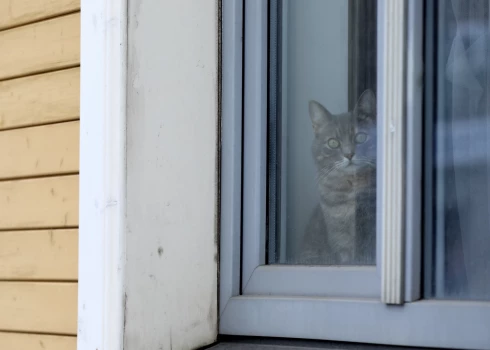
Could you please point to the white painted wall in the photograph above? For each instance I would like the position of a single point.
(171, 256)
(316, 65)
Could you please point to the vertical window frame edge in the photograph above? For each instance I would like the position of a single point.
(231, 151)
(254, 137)
(414, 160)
(391, 103)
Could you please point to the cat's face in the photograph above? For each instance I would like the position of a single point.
(345, 144)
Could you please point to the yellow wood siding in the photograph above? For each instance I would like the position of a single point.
(39, 255)
(45, 307)
(18, 12)
(48, 202)
(19, 341)
(39, 47)
(42, 150)
(39, 147)
(40, 99)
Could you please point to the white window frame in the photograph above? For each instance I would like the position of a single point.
(257, 277)
(367, 305)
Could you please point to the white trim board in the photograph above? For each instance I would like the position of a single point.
(172, 179)
(148, 219)
(102, 174)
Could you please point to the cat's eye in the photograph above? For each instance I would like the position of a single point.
(360, 137)
(333, 143)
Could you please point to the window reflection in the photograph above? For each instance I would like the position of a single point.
(323, 150)
(459, 261)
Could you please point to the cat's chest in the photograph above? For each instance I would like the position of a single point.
(341, 190)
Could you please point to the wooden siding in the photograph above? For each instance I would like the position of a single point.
(39, 147)
(40, 47)
(48, 202)
(39, 255)
(38, 307)
(44, 150)
(22, 341)
(40, 99)
(17, 12)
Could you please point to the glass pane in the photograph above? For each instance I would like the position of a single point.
(322, 132)
(458, 242)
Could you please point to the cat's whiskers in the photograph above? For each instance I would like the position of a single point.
(328, 169)
(366, 160)
(336, 165)
(345, 162)
(323, 173)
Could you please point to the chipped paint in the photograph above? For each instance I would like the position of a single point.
(172, 190)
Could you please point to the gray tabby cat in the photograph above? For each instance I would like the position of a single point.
(342, 229)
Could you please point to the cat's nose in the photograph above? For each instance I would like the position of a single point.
(349, 155)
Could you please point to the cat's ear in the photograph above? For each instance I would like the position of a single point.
(318, 114)
(366, 105)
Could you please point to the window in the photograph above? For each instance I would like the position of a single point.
(322, 64)
(457, 247)
(354, 191)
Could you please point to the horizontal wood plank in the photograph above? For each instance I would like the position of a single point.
(18, 12)
(43, 150)
(49, 202)
(38, 307)
(39, 255)
(40, 99)
(42, 46)
(25, 341)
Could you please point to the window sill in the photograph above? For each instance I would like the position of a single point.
(244, 343)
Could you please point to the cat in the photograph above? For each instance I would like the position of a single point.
(342, 228)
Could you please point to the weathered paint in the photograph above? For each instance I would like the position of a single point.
(171, 270)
